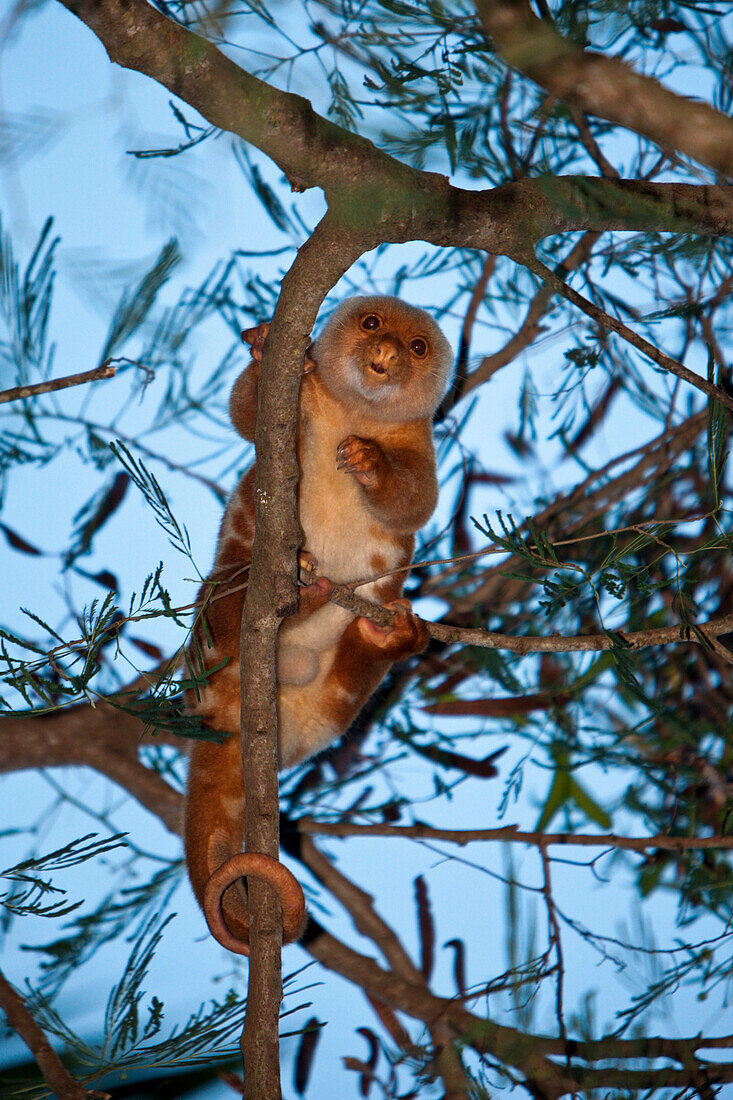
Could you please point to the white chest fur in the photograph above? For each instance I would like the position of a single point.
(343, 536)
(339, 529)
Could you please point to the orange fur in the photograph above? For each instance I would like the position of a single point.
(373, 380)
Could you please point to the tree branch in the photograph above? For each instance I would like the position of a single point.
(605, 320)
(530, 327)
(55, 1074)
(272, 594)
(344, 596)
(102, 737)
(360, 906)
(381, 197)
(606, 86)
(590, 501)
(509, 1045)
(529, 1051)
(18, 392)
(511, 834)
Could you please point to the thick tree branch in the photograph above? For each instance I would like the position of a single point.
(82, 724)
(606, 86)
(381, 197)
(102, 737)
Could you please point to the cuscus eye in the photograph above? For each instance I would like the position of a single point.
(419, 347)
(371, 322)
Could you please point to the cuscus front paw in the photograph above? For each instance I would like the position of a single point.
(314, 595)
(309, 363)
(361, 457)
(406, 634)
(255, 337)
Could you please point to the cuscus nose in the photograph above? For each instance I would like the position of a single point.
(384, 355)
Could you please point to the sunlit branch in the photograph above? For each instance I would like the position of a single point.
(364, 183)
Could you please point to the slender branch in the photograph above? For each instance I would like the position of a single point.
(512, 834)
(590, 501)
(133, 442)
(55, 1074)
(554, 942)
(553, 643)
(457, 386)
(19, 392)
(360, 906)
(530, 327)
(614, 325)
(446, 1061)
(584, 643)
(509, 1045)
(591, 145)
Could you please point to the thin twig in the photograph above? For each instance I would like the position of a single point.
(530, 327)
(591, 145)
(614, 325)
(19, 392)
(133, 442)
(555, 942)
(457, 560)
(512, 834)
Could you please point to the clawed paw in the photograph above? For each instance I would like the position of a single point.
(361, 457)
(309, 364)
(255, 337)
(406, 634)
(307, 565)
(314, 595)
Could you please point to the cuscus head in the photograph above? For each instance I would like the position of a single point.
(386, 355)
